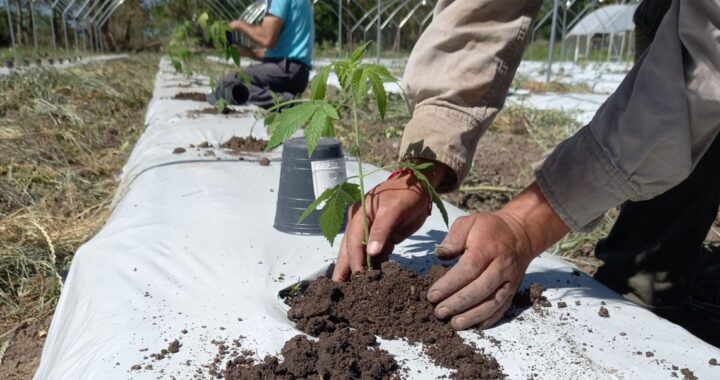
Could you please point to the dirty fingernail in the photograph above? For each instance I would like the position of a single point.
(442, 312)
(433, 296)
(374, 248)
(441, 250)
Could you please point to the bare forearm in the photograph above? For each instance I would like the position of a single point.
(257, 33)
(534, 220)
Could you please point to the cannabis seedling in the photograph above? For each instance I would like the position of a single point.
(318, 115)
(216, 32)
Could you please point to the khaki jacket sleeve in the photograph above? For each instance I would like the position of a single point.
(652, 131)
(457, 78)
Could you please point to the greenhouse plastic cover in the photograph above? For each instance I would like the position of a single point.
(190, 246)
(610, 19)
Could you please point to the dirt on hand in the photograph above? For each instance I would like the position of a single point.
(390, 303)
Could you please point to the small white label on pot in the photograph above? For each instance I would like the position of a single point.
(327, 174)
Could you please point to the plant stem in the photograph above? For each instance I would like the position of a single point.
(374, 171)
(361, 177)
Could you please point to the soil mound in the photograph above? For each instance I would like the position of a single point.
(238, 145)
(342, 354)
(390, 303)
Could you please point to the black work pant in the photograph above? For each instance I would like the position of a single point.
(654, 245)
(276, 80)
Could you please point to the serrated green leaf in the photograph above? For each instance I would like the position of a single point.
(342, 69)
(320, 125)
(330, 111)
(333, 213)
(359, 84)
(379, 92)
(314, 205)
(289, 121)
(319, 84)
(359, 52)
(232, 53)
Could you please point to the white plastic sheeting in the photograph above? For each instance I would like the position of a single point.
(190, 245)
(606, 20)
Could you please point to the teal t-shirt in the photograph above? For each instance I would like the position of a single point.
(298, 31)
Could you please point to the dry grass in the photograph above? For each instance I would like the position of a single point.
(64, 136)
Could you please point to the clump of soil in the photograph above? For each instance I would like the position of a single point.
(194, 96)
(238, 145)
(603, 312)
(390, 303)
(341, 354)
(178, 150)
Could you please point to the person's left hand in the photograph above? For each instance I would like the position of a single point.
(496, 250)
(480, 287)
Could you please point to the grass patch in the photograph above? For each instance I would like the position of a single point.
(547, 128)
(64, 136)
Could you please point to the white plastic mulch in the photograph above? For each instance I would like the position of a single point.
(190, 245)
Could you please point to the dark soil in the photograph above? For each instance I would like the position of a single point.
(22, 357)
(214, 111)
(178, 150)
(341, 354)
(239, 145)
(603, 312)
(390, 303)
(194, 96)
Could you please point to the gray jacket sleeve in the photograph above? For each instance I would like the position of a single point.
(650, 134)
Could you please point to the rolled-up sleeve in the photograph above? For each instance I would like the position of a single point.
(457, 78)
(650, 134)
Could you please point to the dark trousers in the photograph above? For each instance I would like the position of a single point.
(654, 245)
(276, 79)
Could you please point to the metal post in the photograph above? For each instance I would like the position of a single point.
(10, 24)
(379, 30)
(34, 21)
(67, 8)
(552, 41)
(340, 26)
(564, 32)
(52, 23)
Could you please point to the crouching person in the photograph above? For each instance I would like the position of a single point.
(286, 36)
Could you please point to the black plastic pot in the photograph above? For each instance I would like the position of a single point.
(51, 61)
(9, 64)
(302, 179)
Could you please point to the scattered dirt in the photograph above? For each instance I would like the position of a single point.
(178, 150)
(264, 161)
(390, 303)
(194, 96)
(214, 111)
(238, 145)
(713, 361)
(341, 354)
(603, 312)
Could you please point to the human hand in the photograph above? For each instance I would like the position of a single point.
(235, 24)
(495, 249)
(396, 209)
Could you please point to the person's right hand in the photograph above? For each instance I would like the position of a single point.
(396, 209)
